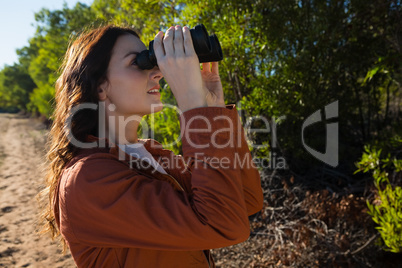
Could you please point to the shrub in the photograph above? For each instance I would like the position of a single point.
(386, 209)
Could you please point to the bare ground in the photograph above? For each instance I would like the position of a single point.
(22, 145)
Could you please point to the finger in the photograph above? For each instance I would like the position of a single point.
(168, 41)
(205, 66)
(188, 42)
(178, 41)
(158, 45)
(215, 67)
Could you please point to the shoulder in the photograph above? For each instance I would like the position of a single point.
(95, 181)
(97, 168)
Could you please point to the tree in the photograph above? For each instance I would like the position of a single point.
(47, 48)
(291, 58)
(15, 87)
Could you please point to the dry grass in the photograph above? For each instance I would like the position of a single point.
(302, 228)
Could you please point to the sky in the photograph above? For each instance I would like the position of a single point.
(16, 24)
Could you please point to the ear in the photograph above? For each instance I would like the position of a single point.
(102, 91)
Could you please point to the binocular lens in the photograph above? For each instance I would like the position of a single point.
(206, 47)
(215, 53)
(200, 38)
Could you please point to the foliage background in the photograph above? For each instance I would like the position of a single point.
(282, 59)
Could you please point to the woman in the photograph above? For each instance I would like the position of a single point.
(121, 201)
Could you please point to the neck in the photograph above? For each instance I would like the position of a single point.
(123, 130)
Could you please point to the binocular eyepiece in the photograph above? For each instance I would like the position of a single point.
(206, 47)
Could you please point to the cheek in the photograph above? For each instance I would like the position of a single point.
(127, 88)
(125, 82)
(140, 78)
(139, 89)
(134, 80)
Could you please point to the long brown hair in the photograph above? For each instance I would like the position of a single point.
(84, 68)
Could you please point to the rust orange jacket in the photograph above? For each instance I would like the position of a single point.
(114, 211)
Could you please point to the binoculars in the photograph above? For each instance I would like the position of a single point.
(206, 47)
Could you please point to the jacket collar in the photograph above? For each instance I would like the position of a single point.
(152, 146)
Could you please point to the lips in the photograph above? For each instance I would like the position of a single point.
(155, 87)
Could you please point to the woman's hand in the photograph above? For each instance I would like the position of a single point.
(212, 84)
(179, 64)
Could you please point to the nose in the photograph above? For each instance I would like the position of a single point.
(156, 74)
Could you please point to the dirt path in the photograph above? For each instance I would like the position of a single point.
(21, 155)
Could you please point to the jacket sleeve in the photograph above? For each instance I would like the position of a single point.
(103, 203)
(242, 161)
(250, 177)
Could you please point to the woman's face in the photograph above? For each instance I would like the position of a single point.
(126, 90)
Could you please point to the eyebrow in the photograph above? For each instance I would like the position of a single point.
(131, 53)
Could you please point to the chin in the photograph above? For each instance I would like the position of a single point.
(155, 108)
